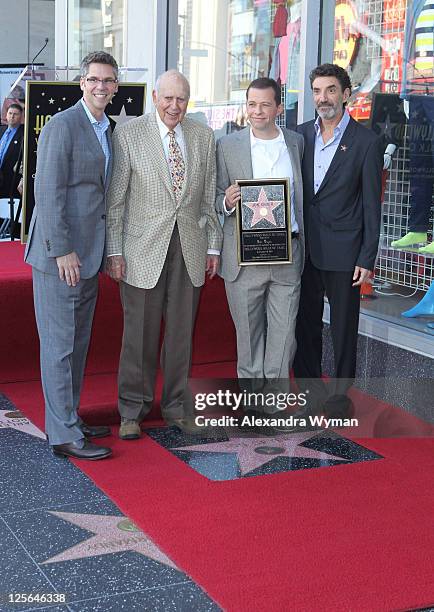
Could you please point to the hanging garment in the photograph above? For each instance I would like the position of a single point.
(280, 21)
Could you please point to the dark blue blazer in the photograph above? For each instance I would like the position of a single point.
(11, 157)
(342, 220)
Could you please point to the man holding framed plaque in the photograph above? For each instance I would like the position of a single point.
(259, 192)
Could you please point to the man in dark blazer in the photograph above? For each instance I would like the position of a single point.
(66, 248)
(11, 140)
(342, 203)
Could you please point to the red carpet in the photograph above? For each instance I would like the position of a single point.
(348, 538)
(356, 537)
(214, 335)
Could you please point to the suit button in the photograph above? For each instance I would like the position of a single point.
(103, 216)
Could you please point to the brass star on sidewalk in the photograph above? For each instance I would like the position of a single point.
(112, 534)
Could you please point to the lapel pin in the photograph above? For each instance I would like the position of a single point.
(344, 147)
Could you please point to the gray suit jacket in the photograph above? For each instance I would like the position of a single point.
(234, 161)
(70, 193)
(142, 210)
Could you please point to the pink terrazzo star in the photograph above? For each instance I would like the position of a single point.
(252, 453)
(112, 534)
(14, 419)
(262, 209)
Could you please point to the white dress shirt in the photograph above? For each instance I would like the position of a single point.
(270, 159)
(179, 137)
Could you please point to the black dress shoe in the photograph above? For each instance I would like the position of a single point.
(95, 431)
(87, 450)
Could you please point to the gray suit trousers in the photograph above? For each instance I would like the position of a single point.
(264, 312)
(64, 318)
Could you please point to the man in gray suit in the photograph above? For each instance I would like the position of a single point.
(162, 236)
(263, 299)
(66, 249)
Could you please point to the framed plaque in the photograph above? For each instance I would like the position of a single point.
(264, 222)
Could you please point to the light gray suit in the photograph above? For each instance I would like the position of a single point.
(263, 300)
(69, 215)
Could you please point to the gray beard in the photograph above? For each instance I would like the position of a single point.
(329, 113)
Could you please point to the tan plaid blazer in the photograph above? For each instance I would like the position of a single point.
(142, 210)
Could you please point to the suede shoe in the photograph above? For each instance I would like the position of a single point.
(81, 450)
(95, 431)
(129, 429)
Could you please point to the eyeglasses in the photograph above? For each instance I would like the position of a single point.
(94, 81)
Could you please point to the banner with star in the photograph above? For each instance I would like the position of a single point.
(264, 222)
(43, 100)
(388, 118)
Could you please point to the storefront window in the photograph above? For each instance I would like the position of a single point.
(95, 25)
(387, 46)
(225, 44)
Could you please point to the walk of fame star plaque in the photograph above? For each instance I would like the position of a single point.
(264, 222)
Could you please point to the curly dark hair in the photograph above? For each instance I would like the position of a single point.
(331, 70)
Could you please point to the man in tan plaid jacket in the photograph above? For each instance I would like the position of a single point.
(162, 236)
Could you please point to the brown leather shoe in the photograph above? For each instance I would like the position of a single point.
(88, 450)
(129, 429)
(95, 431)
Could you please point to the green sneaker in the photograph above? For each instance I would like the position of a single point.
(410, 239)
(428, 249)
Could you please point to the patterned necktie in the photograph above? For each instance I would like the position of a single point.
(176, 165)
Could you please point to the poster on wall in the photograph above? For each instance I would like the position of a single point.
(346, 50)
(346, 34)
(43, 101)
(13, 79)
(8, 93)
(393, 38)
